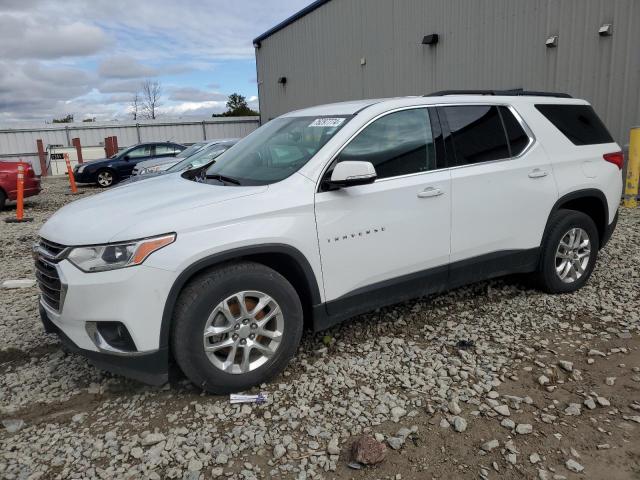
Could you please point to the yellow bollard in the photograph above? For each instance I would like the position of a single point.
(633, 170)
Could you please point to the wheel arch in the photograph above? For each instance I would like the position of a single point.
(285, 259)
(591, 202)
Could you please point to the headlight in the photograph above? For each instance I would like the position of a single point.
(81, 168)
(99, 258)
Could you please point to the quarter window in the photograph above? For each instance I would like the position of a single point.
(399, 143)
(579, 123)
(478, 133)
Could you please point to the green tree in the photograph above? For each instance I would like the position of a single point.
(237, 107)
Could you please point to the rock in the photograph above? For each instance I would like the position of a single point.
(19, 283)
(566, 365)
(573, 409)
(395, 442)
(13, 425)
(508, 423)
(603, 446)
(152, 439)
(502, 410)
(596, 353)
(543, 475)
(279, 451)
(490, 445)
(136, 452)
(367, 450)
(217, 472)
(603, 402)
(524, 429)
(444, 423)
(459, 424)
(574, 466)
(454, 408)
(512, 458)
(397, 413)
(534, 458)
(590, 403)
(544, 380)
(610, 381)
(195, 465)
(333, 448)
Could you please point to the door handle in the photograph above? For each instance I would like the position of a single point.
(537, 173)
(430, 192)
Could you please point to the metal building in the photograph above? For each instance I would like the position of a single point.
(336, 50)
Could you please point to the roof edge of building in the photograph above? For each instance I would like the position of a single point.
(296, 16)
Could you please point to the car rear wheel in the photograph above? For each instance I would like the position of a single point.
(105, 178)
(569, 252)
(236, 326)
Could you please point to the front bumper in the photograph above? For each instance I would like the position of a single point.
(151, 368)
(84, 176)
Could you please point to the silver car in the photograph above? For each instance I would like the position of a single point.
(155, 165)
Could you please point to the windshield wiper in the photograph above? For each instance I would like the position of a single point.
(224, 179)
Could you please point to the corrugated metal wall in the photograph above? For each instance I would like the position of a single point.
(484, 44)
(21, 142)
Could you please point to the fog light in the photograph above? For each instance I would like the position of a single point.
(111, 337)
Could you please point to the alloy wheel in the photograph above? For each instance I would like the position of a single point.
(105, 179)
(573, 255)
(243, 332)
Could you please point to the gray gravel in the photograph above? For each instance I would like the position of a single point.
(382, 373)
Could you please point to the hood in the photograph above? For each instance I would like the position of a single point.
(136, 210)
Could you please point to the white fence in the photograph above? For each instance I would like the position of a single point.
(20, 142)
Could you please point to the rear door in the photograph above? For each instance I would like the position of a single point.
(388, 239)
(138, 154)
(502, 190)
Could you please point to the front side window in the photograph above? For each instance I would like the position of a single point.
(399, 143)
(478, 134)
(275, 151)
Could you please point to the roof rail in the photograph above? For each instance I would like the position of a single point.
(515, 92)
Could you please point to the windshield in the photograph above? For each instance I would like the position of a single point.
(275, 151)
(199, 158)
(187, 152)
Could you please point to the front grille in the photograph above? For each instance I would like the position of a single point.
(46, 255)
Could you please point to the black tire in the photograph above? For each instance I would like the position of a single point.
(560, 223)
(3, 199)
(199, 299)
(107, 174)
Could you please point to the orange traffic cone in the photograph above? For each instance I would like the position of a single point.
(72, 180)
(20, 197)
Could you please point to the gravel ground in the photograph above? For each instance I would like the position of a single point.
(489, 381)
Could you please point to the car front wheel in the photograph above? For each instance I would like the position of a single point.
(236, 326)
(105, 178)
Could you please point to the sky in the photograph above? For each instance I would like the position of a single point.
(88, 57)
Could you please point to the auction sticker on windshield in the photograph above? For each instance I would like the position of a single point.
(327, 122)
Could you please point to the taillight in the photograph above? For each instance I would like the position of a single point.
(30, 172)
(617, 158)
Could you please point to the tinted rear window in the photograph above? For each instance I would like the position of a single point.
(579, 123)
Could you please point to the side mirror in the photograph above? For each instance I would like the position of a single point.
(350, 173)
(126, 158)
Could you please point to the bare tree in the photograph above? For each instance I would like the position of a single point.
(151, 92)
(134, 106)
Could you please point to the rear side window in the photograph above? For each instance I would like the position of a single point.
(399, 143)
(579, 123)
(518, 138)
(477, 133)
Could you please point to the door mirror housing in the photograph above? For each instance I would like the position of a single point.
(351, 173)
(126, 158)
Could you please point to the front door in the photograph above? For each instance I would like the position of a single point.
(391, 236)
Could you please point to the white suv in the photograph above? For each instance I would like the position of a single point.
(322, 214)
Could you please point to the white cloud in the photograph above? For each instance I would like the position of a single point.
(191, 94)
(26, 37)
(125, 67)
